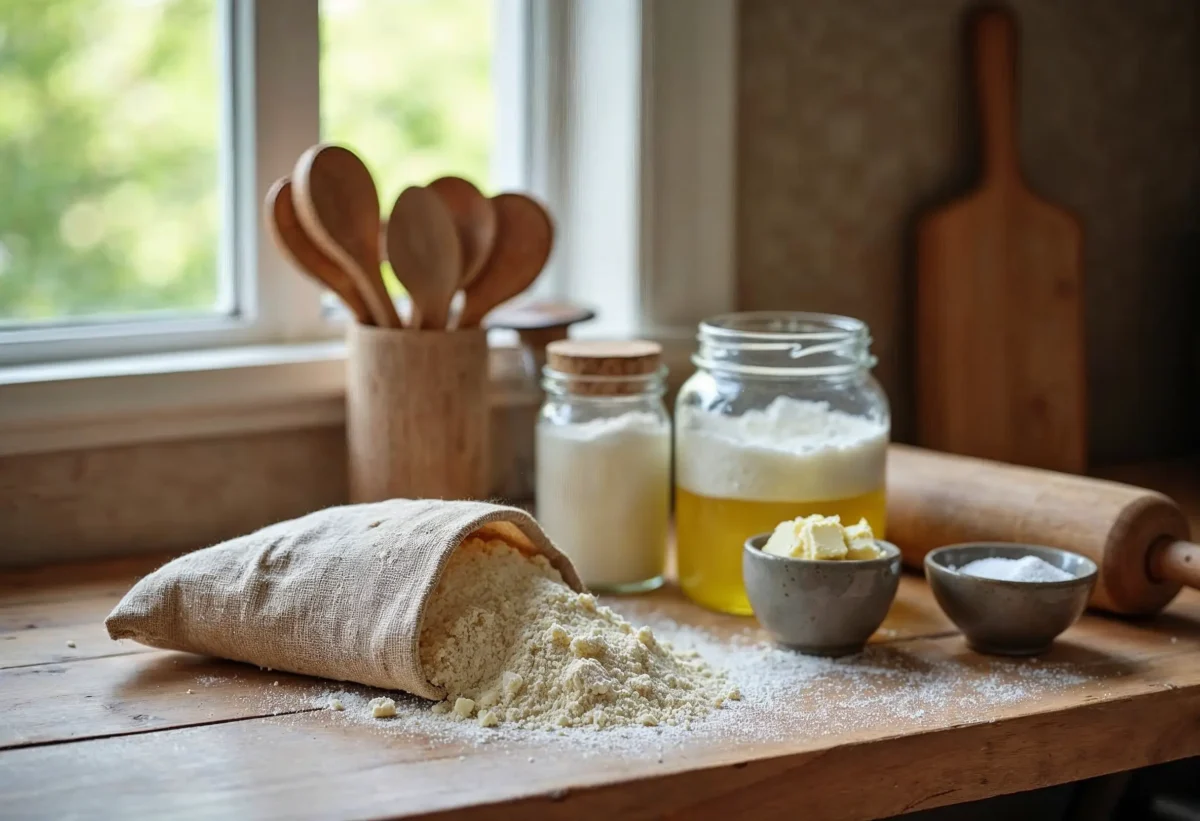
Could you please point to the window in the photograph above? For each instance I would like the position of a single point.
(140, 294)
(414, 107)
(109, 141)
(138, 138)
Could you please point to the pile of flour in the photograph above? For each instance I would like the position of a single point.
(510, 643)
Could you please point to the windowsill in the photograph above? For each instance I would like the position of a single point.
(132, 399)
(158, 364)
(191, 394)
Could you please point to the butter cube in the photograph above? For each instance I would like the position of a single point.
(785, 539)
(822, 538)
(860, 541)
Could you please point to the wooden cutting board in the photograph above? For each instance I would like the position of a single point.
(1000, 341)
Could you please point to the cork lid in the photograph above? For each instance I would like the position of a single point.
(599, 365)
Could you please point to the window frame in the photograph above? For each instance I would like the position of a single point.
(269, 112)
(672, 219)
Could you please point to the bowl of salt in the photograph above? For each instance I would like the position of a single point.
(1010, 599)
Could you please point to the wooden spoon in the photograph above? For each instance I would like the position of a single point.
(291, 239)
(424, 250)
(474, 220)
(338, 205)
(524, 237)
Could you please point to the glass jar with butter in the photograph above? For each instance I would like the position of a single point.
(781, 419)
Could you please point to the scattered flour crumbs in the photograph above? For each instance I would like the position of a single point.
(518, 651)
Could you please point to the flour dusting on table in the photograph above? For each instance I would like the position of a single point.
(786, 697)
(525, 661)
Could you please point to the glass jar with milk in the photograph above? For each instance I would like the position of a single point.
(781, 419)
(603, 461)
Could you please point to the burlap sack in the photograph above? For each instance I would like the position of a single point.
(340, 593)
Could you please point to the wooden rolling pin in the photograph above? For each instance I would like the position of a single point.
(1138, 538)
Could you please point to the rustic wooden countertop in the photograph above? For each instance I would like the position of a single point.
(90, 726)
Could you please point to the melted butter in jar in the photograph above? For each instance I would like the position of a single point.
(740, 476)
(781, 420)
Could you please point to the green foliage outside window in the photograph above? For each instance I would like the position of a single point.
(110, 198)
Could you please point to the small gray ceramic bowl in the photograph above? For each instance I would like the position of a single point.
(823, 608)
(1006, 617)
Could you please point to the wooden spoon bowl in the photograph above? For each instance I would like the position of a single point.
(423, 248)
(338, 205)
(295, 244)
(524, 239)
(474, 220)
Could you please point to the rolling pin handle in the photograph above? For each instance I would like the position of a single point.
(1176, 561)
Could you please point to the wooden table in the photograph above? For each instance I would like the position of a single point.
(89, 726)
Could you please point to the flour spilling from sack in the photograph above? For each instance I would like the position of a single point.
(511, 644)
(786, 698)
(516, 649)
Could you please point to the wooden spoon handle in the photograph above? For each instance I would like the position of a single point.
(1177, 562)
(297, 246)
(995, 78)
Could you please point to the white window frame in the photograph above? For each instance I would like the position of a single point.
(633, 133)
(627, 129)
(270, 113)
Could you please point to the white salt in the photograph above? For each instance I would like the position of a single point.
(1024, 569)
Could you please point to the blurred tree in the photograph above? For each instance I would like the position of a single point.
(108, 140)
(110, 127)
(407, 84)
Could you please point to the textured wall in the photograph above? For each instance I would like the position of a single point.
(180, 495)
(163, 496)
(855, 116)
